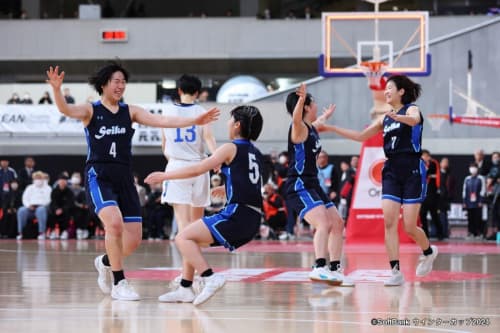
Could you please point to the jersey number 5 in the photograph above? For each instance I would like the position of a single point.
(253, 169)
(189, 134)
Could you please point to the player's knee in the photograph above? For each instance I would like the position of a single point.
(410, 229)
(114, 227)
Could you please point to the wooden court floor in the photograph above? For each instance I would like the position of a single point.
(50, 286)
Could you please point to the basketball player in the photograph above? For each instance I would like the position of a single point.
(110, 183)
(183, 147)
(303, 191)
(239, 221)
(403, 176)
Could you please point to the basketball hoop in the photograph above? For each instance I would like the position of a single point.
(374, 71)
(437, 120)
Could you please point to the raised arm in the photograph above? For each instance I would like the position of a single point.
(82, 112)
(299, 129)
(225, 154)
(141, 116)
(363, 135)
(208, 137)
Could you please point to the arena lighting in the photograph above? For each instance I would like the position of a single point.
(114, 35)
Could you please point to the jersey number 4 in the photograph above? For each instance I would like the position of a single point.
(253, 169)
(112, 149)
(185, 134)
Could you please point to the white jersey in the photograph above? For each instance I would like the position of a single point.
(184, 143)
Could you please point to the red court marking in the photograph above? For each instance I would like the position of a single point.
(306, 246)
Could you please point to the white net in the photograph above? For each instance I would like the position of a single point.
(436, 121)
(374, 71)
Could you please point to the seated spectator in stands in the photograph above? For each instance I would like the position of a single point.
(274, 211)
(60, 208)
(36, 199)
(80, 212)
(10, 204)
(67, 96)
(27, 99)
(25, 174)
(45, 99)
(308, 13)
(203, 96)
(327, 176)
(291, 15)
(217, 202)
(157, 213)
(7, 174)
(14, 99)
(473, 195)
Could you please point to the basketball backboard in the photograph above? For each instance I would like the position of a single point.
(399, 39)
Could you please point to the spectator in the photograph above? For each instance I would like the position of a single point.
(430, 203)
(80, 213)
(36, 198)
(354, 163)
(25, 174)
(216, 202)
(327, 176)
(446, 193)
(67, 96)
(482, 164)
(290, 15)
(7, 175)
(45, 99)
(346, 186)
(308, 13)
(473, 195)
(157, 213)
(27, 99)
(60, 208)
(203, 96)
(274, 210)
(14, 99)
(10, 204)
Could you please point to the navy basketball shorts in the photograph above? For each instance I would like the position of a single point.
(113, 185)
(234, 226)
(306, 194)
(404, 179)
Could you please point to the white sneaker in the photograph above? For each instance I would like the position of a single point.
(52, 235)
(179, 295)
(104, 277)
(323, 274)
(124, 292)
(79, 234)
(425, 265)
(41, 237)
(64, 235)
(197, 283)
(212, 284)
(19, 237)
(396, 278)
(346, 281)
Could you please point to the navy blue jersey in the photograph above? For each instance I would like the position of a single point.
(109, 135)
(400, 138)
(243, 177)
(302, 156)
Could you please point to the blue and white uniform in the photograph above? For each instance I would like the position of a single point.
(303, 191)
(184, 148)
(239, 221)
(404, 173)
(108, 171)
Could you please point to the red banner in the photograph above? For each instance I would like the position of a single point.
(478, 121)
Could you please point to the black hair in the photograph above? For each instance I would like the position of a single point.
(103, 75)
(189, 84)
(412, 89)
(425, 151)
(292, 99)
(250, 119)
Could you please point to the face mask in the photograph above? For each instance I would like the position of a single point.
(473, 170)
(495, 161)
(75, 180)
(38, 182)
(14, 186)
(282, 159)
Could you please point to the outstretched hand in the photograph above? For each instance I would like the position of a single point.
(301, 91)
(155, 178)
(54, 78)
(321, 120)
(209, 116)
